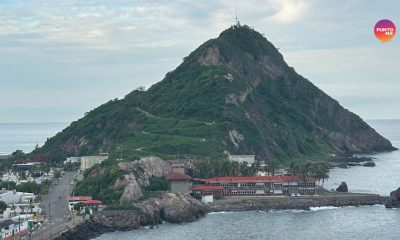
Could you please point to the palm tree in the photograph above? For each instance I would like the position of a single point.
(30, 208)
(13, 208)
(234, 168)
(293, 171)
(272, 166)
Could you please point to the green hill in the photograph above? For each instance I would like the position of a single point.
(233, 93)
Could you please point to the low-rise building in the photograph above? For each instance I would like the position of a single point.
(255, 186)
(179, 182)
(13, 197)
(249, 159)
(22, 208)
(16, 227)
(77, 199)
(72, 160)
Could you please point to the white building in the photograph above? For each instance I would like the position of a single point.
(72, 160)
(13, 197)
(17, 227)
(243, 158)
(9, 177)
(22, 209)
(89, 161)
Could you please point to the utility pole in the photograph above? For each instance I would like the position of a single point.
(49, 210)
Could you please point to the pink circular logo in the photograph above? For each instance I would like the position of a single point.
(385, 30)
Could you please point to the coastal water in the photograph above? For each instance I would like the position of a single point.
(25, 136)
(367, 222)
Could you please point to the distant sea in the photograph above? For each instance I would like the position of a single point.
(25, 136)
(328, 223)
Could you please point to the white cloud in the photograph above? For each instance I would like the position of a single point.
(289, 11)
(123, 44)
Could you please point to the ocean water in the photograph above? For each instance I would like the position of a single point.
(25, 136)
(366, 222)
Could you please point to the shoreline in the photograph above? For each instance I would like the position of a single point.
(116, 220)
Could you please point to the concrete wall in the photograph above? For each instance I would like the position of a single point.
(89, 161)
(181, 186)
(207, 198)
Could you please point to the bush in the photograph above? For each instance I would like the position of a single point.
(157, 184)
(3, 206)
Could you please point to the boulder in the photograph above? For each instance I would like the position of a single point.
(395, 195)
(175, 207)
(369, 164)
(342, 188)
(394, 201)
(178, 208)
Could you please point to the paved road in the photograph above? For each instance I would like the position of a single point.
(55, 207)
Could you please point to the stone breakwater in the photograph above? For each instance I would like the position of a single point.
(177, 208)
(238, 204)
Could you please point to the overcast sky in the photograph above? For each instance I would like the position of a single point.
(60, 59)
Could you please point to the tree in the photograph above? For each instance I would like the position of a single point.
(18, 153)
(272, 166)
(57, 174)
(3, 206)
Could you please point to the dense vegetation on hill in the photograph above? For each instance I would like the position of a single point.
(233, 93)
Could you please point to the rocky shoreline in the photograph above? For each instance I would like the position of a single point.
(170, 207)
(177, 208)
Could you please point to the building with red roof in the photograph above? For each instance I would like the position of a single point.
(179, 182)
(255, 186)
(79, 198)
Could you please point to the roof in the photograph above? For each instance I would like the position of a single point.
(255, 179)
(206, 187)
(7, 222)
(93, 202)
(80, 198)
(177, 176)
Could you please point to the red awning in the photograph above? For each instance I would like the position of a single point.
(79, 198)
(93, 202)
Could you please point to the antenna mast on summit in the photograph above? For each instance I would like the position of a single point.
(236, 21)
(236, 18)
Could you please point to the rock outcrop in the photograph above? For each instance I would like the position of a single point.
(342, 188)
(170, 207)
(394, 199)
(175, 207)
(139, 173)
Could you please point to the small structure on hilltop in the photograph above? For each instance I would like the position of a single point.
(179, 182)
(181, 166)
